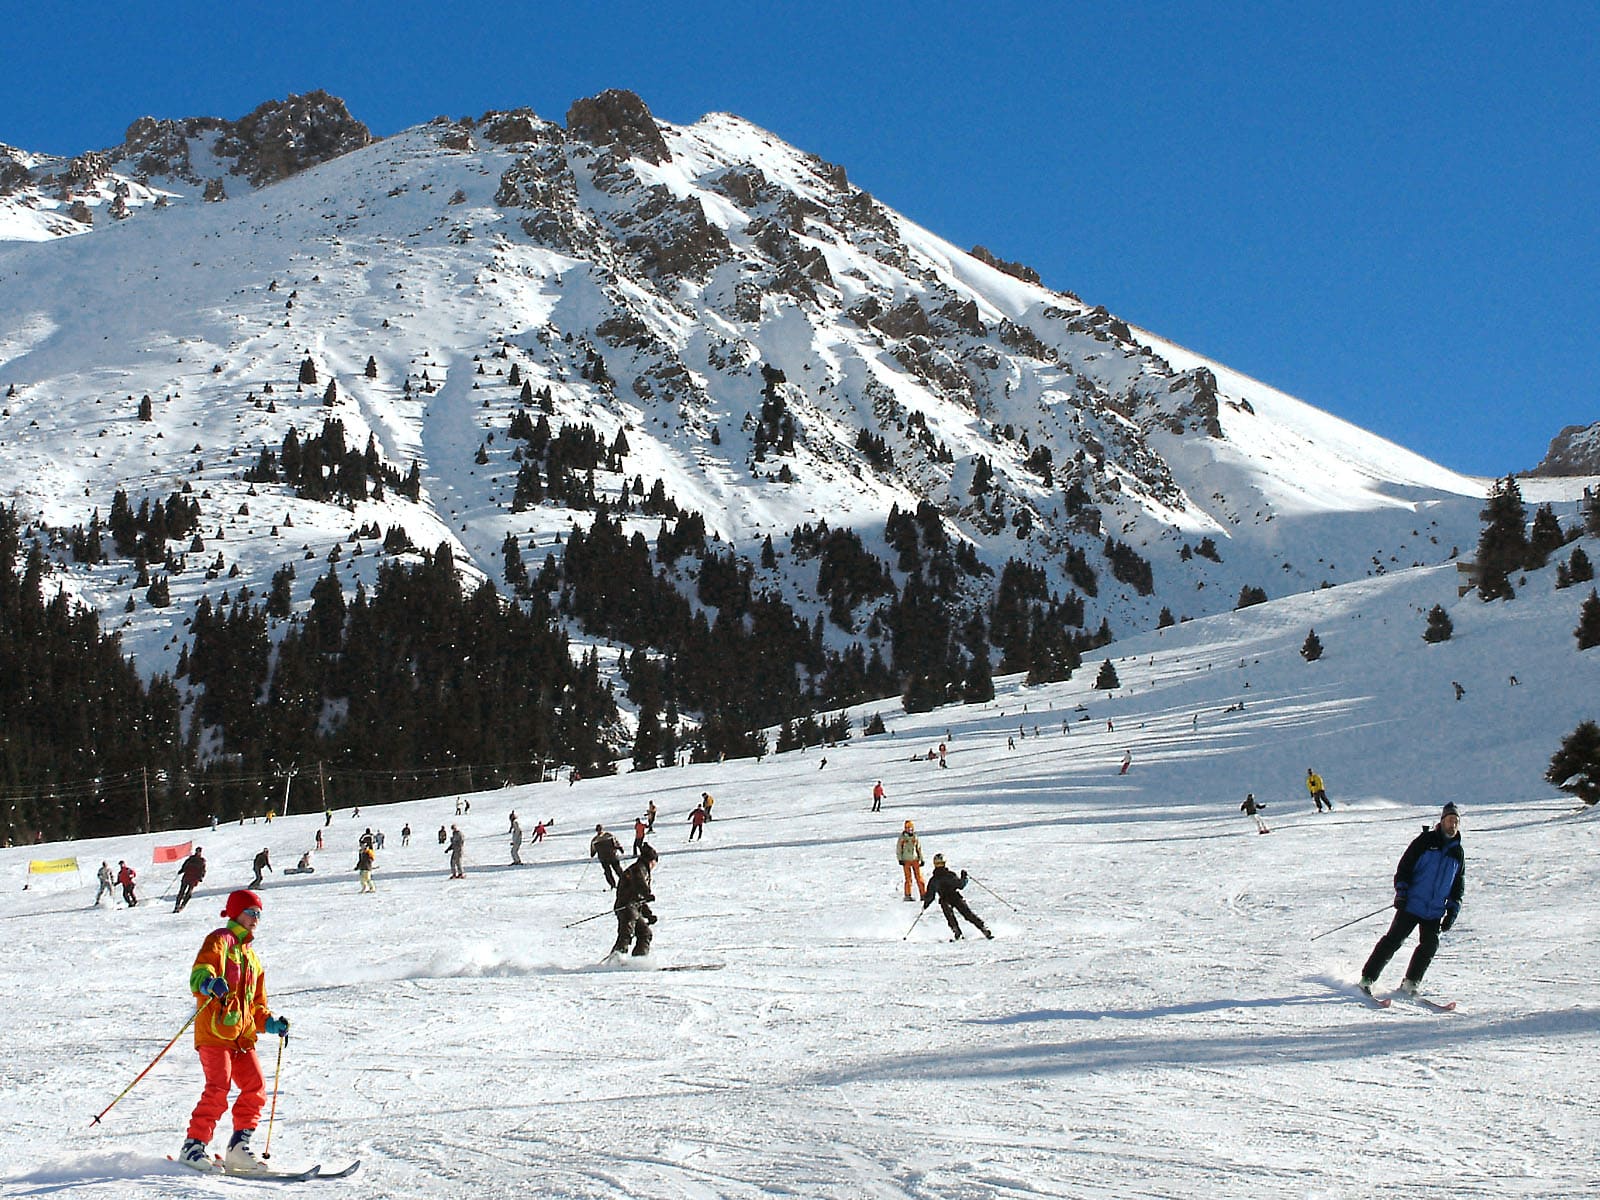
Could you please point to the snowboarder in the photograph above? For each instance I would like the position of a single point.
(697, 823)
(190, 874)
(1251, 808)
(458, 847)
(1127, 761)
(877, 796)
(262, 863)
(303, 867)
(945, 887)
(366, 859)
(106, 880)
(125, 877)
(632, 905)
(1314, 786)
(908, 852)
(1428, 886)
(516, 841)
(639, 830)
(609, 851)
(230, 989)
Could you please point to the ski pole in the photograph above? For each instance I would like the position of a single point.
(198, 1010)
(266, 1151)
(583, 874)
(992, 892)
(585, 920)
(1347, 924)
(920, 915)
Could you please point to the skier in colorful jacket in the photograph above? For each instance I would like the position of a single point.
(908, 853)
(1428, 886)
(231, 994)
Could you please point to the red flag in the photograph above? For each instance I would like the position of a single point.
(173, 853)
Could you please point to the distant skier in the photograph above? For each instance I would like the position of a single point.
(1460, 691)
(1428, 885)
(443, 836)
(125, 880)
(319, 839)
(1314, 786)
(944, 885)
(632, 905)
(1251, 808)
(650, 817)
(538, 830)
(516, 841)
(366, 839)
(190, 874)
(908, 853)
(458, 847)
(706, 801)
(230, 991)
(262, 863)
(639, 830)
(366, 860)
(405, 835)
(106, 879)
(1127, 761)
(697, 823)
(609, 851)
(877, 796)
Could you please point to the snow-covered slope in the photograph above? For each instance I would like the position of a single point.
(693, 262)
(1152, 1019)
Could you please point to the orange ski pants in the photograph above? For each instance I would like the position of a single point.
(225, 1067)
(913, 870)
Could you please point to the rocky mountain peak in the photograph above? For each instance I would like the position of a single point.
(1573, 451)
(619, 118)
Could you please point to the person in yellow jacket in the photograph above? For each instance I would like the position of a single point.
(230, 989)
(908, 851)
(1314, 786)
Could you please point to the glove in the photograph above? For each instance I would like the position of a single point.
(1449, 920)
(963, 877)
(216, 986)
(1399, 898)
(650, 918)
(277, 1026)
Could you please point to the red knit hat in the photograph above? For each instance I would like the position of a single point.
(239, 901)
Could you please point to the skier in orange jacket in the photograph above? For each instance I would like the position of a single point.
(230, 989)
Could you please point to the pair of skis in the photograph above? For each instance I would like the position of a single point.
(1423, 1001)
(270, 1176)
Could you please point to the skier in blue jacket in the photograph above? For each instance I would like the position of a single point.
(1428, 885)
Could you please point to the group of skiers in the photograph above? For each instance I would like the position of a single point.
(1319, 796)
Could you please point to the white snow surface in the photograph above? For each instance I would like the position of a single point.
(1153, 1018)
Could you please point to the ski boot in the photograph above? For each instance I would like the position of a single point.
(240, 1159)
(194, 1154)
(1408, 986)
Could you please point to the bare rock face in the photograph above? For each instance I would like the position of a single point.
(1573, 451)
(620, 119)
(1014, 269)
(13, 175)
(284, 137)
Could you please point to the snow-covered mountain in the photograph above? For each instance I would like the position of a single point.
(770, 342)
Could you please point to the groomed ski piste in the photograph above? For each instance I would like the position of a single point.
(1151, 1020)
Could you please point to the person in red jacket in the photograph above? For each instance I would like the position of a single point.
(697, 822)
(231, 994)
(125, 877)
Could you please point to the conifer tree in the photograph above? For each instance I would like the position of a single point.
(1503, 544)
(1440, 627)
(1579, 568)
(308, 370)
(1588, 630)
(1107, 678)
(1575, 767)
(1545, 538)
(372, 367)
(1311, 648)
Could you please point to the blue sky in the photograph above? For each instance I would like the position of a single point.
(1391, 214)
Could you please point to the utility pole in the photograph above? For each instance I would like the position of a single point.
(322, 786)
(145, 771)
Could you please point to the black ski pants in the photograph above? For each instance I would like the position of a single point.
(1399, 930)
(958, 905)
(612, 866)
(634, 928)
(185, 890)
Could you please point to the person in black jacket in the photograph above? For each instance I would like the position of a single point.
(262, 863)
(609, 851)
(945, 886)
(1428, 886)
(189, 877)
(632, 905)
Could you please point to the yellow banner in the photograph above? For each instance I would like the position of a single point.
(52, 866)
